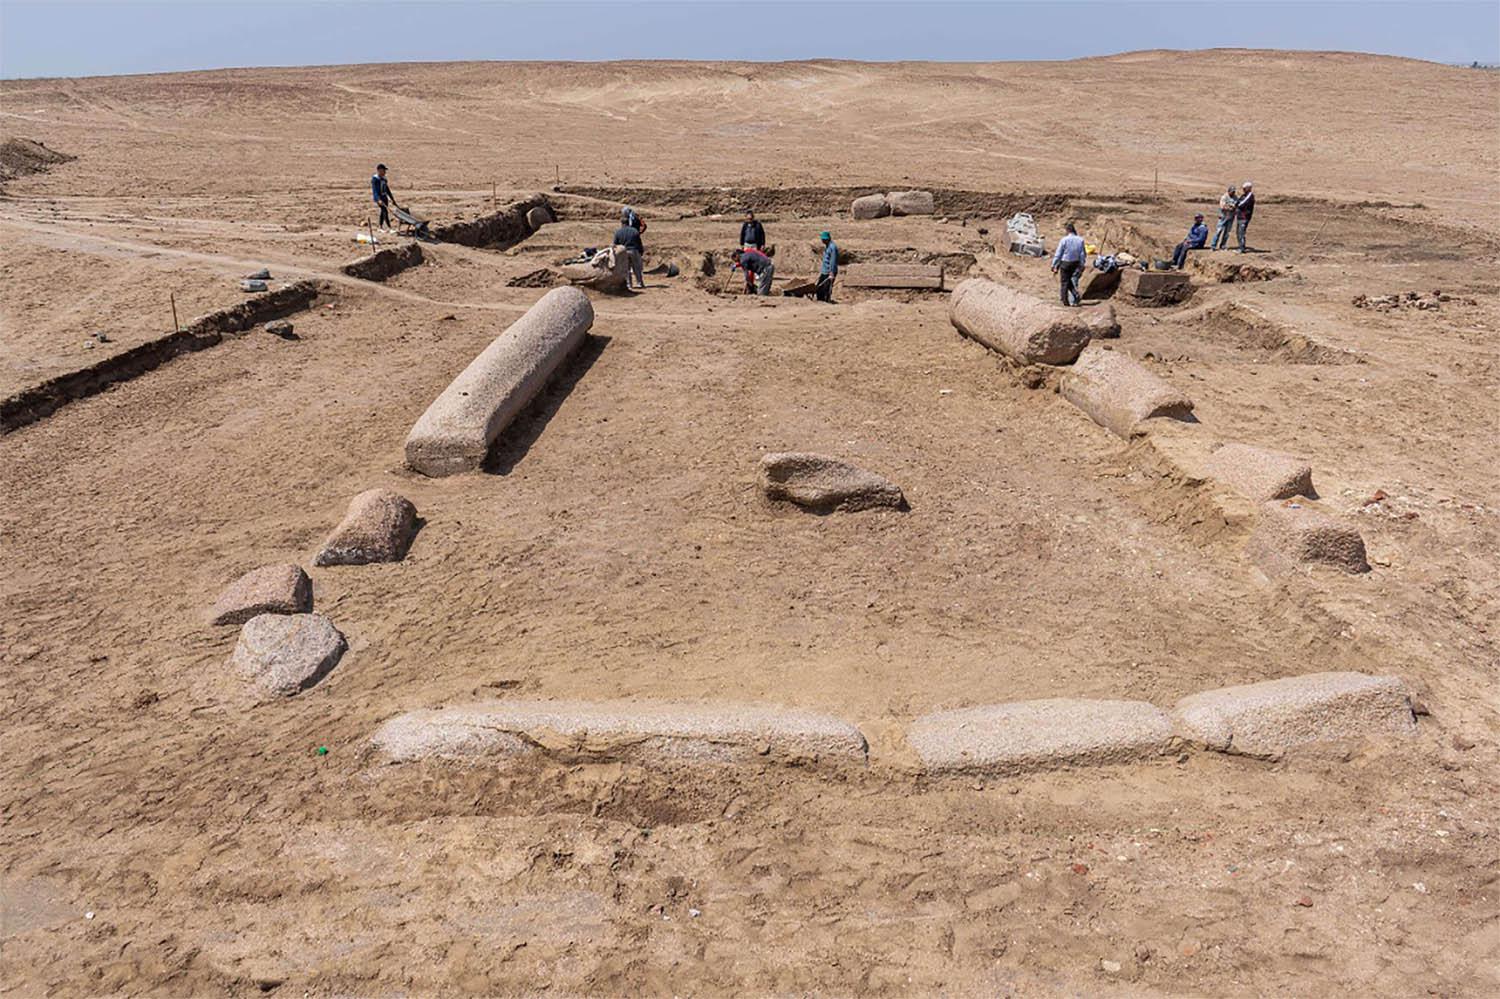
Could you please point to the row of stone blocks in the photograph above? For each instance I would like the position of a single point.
(1123, 396)
(878, 206)
(1262, 720)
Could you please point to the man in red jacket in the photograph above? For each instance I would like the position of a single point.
(758, 270)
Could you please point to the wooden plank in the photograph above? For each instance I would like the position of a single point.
(893, 276)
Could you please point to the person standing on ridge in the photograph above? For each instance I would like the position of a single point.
(1242, 213)
(1067, 263)
(1227, 204)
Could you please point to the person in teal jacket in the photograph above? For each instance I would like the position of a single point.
(829, 268)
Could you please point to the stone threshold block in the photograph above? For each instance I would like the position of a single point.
(694, 731)
(1267, 719)
(1025, 736)
(925, 276)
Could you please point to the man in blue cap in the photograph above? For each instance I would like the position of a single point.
(829, 269)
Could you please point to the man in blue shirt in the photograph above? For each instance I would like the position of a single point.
(1197, 237)
(1067, 263)
(380, 191)
(829, 268)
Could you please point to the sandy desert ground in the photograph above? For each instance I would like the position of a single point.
(163, 833)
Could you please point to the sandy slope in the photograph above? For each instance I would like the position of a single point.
(618, 547)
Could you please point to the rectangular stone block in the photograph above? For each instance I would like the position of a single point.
(1119, 394)
(1023, 328)
(1038, 735)
(1259, 473)
(456, 431)
(1267, 719)
(1155, 287)
(706, 731)
(928, 276)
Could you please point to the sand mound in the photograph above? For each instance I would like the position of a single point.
(23, 157)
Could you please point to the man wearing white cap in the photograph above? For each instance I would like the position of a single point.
(1243, 212)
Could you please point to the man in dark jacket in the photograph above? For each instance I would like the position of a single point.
(1197, 237)
(380, 191)
(752, 233)
(629, 236)
(1243, 213)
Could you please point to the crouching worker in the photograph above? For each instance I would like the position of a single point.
(758, 271)
(829, 269)
(1197, 238)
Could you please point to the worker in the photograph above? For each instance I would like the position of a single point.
(1227, 204)
(629, 237)
(829, 268)
(1242, 213)
(1196, 238)
(758, 271)
(752, 233)
(380, 191)
(629, 217)
(1067, 263)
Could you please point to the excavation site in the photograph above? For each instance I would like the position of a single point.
(640, 568)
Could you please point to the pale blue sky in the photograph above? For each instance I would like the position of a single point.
(73, 38)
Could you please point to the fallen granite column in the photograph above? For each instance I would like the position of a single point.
(1026, 330)
(456, 432)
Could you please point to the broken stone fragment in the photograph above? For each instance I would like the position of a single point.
(824, 484)
(377, 528)
(271, 589)
(1290, 534)
(281, 328)
(283, 654)
(263, 274)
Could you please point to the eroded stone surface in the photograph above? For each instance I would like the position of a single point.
(283, 654)
(1118, 393)
(1292, 533)
(911, 202)
(1267, 719)
(1039, 735)
(871, 206)
(716, 732)
(1259, 473)
(457, 430)
(818, 482)
(1024, 328)
(377, 528)
(271, 589)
